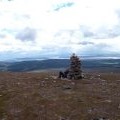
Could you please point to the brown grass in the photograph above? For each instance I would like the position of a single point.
(42, 96)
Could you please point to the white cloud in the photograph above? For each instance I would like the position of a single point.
(82, 27)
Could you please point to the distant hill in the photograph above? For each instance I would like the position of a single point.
(87, 64)
(34, 65)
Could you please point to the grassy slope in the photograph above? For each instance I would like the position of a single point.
(42, 96)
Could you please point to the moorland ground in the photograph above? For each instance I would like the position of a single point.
(42, 96)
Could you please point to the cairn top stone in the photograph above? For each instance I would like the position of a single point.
(75, 67)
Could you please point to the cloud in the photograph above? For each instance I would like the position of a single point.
(27, 34)
(59, 27)
(2, 36)
(86, 43)
(101, 33)
(86, 31)
(63, 5)
(118, 13)
(107, 33)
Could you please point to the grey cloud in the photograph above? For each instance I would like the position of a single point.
(27, 34)
(108, 33)
(88, 34)
(71, 34)
(118, 13)
(86, 43)
(101, 33)
(102, 45)
(2, 36)
(86, 31)
(10, 0)
(97, 49)
(115, 32)
(4, 1)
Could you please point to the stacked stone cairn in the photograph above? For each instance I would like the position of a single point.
(75, 67)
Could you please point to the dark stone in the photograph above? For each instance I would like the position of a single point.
(67, 87)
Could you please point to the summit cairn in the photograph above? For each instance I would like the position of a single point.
(75, 71)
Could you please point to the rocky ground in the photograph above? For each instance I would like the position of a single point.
(42, 96)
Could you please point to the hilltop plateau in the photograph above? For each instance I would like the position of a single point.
(42, 96)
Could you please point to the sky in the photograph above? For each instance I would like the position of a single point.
(58, 28)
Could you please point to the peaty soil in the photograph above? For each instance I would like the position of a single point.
(42, 96)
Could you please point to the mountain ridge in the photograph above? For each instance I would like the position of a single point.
(32, 65)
